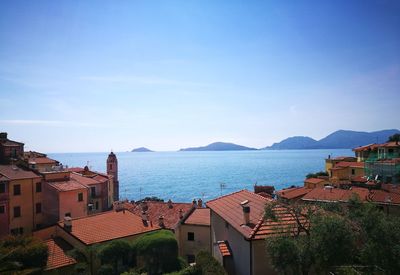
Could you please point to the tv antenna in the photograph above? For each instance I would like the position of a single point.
(222, 186)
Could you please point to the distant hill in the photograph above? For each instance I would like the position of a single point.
(141, 150)
(219, 146)
(341, 139)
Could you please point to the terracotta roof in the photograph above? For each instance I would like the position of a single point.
(314, 180)
(228, 207)
(390, 144)
(292, 193)
(384, 197)
(57, 257)
(109, 226)
(200, 216)
(354, 164)
(74, 183)
(330, 194)
(364, 147)
(75, 169)
(343, 158)
(83, 180)
(224, 248)
(156, 209)
(42, 160)
(14, 173)
(285, 224)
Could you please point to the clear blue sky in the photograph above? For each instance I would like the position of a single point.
(81, 76)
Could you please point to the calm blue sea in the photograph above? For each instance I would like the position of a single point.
(183, 176)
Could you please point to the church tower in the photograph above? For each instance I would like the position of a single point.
(112, 169)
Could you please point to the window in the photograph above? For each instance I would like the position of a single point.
(17, 231)
(39, 226)
(80, 196)
(2, 187)
(17, 211)
(97, 205)
(38, 208)
(17, 189)
(38, 187)
(191, 258)
(110, 166)
(190, 236)
(68, 214)
(2, 209)
(353, 171)
(93, 191)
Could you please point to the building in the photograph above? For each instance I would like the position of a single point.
(292, 194)
(10, 151)
(58, 262)
(239, 230)
(112, 170)
(21, 200)
(166, 214)
(193, 234)
(331, 162)
(39, 161)
(315, 182)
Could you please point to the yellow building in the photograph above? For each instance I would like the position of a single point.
(193, 234)
(24, 205)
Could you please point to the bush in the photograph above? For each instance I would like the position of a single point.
(159, 250)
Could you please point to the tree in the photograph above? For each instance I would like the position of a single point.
(395, 138)
(159, 250)
(316, 175)
(113, 252)
(24, 254)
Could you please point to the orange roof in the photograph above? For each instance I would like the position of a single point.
(42, 160)
(390, 144)
(108, 226)
(295, 192)
(224, 248)
(335, 194)
(200, 216)
(156, 209)
(57, 257)
(384, 197)
(73, 183)
(13, 172)
(364, 147)
(354, 164)
(314, 180)
(228, 207)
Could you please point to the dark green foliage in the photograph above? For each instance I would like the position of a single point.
(207, 264)
(113, 253)
(358, 236)
(150, 199)
(395, 137)
(316, 175)
(21, 253)
(159, 250)
(106, 270)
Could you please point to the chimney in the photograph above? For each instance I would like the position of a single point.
(144, 216)
(180, 213)
(161, 221)
(200, 203)
(170, 204)
(68, 223)
(3, 136)
(194, 203)
(246, 212)
(144, 206)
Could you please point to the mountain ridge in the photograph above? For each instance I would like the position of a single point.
(218, 146)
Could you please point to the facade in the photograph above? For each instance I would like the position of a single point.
(193, 234)
(21, 200)
(112, 170)
(238, 232)
(10, 150)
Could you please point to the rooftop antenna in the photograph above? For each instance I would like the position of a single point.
(140, 192)
(221, 186)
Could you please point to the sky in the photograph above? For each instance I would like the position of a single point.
(91, 76)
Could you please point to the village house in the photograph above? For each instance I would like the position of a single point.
(292, 194)
(58, 261)
(239, 230)
(193, 233)
(10, 151)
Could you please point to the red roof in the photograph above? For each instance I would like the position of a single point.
(57, 257)
(108, 226)
(42, 160)
(330, 194)
(224, 248)
(155, 209)
(13, 172)
(354, 164)
(364, 147)
(314, 180)
(384, 197)
(295, 192)
(200, 216)
(229, 208)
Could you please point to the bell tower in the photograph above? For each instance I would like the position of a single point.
(112, 169)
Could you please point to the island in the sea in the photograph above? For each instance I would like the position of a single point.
(219, 146)
(141, 150)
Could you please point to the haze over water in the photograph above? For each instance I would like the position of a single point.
(184, 176)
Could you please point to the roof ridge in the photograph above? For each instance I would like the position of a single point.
(256, 228)
(226, 195)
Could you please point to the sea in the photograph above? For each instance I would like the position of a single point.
(184, 176)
